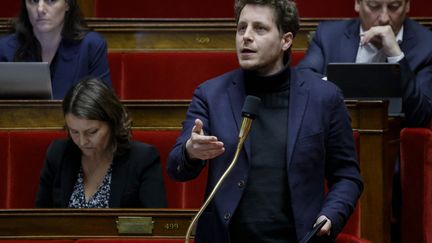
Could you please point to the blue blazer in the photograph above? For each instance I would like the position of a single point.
(136, 177)
(320, 146)
(74, 61)
(338, 41)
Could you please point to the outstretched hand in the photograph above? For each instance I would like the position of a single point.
(200, 146)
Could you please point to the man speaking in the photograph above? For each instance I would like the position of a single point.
(301, 137)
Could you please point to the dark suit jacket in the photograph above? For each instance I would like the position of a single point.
(136, 177)
(75, 60)
(320, 146)
(338, 41)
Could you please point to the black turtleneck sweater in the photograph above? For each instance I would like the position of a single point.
(264, 213)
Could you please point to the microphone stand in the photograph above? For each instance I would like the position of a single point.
(245, 127)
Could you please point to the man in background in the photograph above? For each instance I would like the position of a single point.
(382, 33)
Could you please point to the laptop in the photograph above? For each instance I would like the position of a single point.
(373, 81)
(25, 80)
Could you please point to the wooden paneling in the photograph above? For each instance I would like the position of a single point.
(87, 7)
(182, 34)
(176, 34)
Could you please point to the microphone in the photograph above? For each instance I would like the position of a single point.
(249, 113)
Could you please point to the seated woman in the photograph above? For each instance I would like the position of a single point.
(99, 166)
(54, 31)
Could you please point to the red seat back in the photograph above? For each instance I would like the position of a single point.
(347, 238)
(224, 9)
(23, 154)
(309, 9)
(115, 60)
(179, 194)
(4, 156)
(9, 8)
(344, 9)
(27, 155)
(296, 57)
(164, 9)
(416, 182)
(171, 75)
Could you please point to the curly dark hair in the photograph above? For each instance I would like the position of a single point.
(74, 29)
(93, 100)
(287, 18)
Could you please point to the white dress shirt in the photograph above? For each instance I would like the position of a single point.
(369, 53)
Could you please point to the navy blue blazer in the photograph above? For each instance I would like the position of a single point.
(136, 177)
(338, 41)
(320, 146)
(75, 60)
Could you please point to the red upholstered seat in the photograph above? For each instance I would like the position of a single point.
(9, 8)
(115, 61)
(296, 57)
(416, 179)
(171, 75)
(164, 9)
(27, 153)
(328, 9)
(347, 238)
(4, 154)
(224, 9)
(343, 8)
(22, 157)
(179, 194)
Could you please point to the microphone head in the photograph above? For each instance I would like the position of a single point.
(250, 106)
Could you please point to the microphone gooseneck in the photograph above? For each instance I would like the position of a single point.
(249, 113)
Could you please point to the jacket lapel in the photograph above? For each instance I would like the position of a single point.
(118, 177)
(237, 96)
(70, 170)
(67, 57)
(297, 106)
(350, 42)
(409, 33)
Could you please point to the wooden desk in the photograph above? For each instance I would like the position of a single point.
(38, 114)
(379, 143)
(91, 223)
(379, 146)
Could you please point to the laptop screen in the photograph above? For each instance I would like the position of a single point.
(369, 81)
(25, 80)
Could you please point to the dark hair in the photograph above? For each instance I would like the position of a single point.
(93, 100)
(287, 18)
(74, 29)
